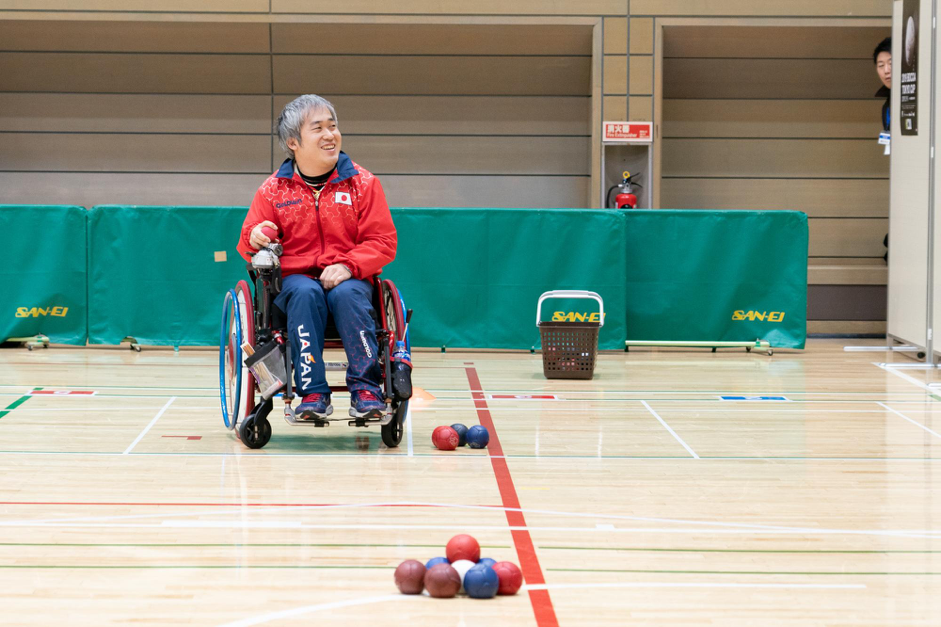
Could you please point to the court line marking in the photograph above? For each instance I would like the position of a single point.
(408, 429)
(148, 427)
(901, 375)
(703, 526)
(483, 457)
(672, 432)
(696, 584)
(525, 549)
(22, 399)
(464, 528)
(914, 422)
(311, 609)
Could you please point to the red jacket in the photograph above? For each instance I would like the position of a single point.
(348, 223)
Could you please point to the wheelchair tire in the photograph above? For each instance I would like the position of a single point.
(236, 383)
(230, 376)
(392, 432)
(254, 432)
(394, 313)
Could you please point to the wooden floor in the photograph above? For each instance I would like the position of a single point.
(637, 498)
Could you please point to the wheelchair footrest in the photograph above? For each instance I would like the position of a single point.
(335, 366)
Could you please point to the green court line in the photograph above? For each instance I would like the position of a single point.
(727, 572)
(649, 550)
(6, 410)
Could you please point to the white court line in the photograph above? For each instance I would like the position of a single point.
(881, 349)
(311, 609)
(205, 524)
(914, 422)
(702, 525)
(902, 375)
(408, 428)
(147, 428)
(672, 432)
(692, 584)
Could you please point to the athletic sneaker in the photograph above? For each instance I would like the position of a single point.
(366, 403)
(314, 406)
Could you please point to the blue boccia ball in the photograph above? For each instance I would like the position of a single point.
(481, 582)
(434, 561)
(461, 433)
(486, 561)
(478, 437)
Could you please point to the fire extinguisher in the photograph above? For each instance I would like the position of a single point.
(626, 197)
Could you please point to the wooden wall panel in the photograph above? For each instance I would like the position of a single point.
(641, 35)
(94, 36)
(772, 158)
(614, 108)
(641, 75)
(754, 42)
(458, 115)
(764, 8)
(90, 189)
(615, 35)
(170, 6)
(615, 74)
(506, 75)
(134, 73)
(238, 189)
(768, 78)
(102, 152)
(850, 237)
(490, 156)
(823, 198)
(812, 119)
(432, 39)
(454, 7)
(528, 192)
(135, 113)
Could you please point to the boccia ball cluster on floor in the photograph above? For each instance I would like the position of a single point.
(449, 438)
(463, 571)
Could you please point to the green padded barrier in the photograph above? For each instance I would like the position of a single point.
(473, 276)
(717, 276)
(153, 272)
(44, 278)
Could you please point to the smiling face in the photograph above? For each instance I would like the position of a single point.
(884, 68)
(318, 149)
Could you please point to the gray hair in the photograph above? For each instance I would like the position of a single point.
(294, 115)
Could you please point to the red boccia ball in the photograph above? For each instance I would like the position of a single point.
(442, 581)
(510, 576)
(409, 577)
(445, 438)
(463, 547)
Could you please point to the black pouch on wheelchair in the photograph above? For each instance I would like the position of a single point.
(267, 364)
(401, 380)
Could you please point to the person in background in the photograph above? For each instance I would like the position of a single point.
(882, 57)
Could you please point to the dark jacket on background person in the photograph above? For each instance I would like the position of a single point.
(886, 114)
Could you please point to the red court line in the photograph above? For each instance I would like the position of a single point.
(529, 563)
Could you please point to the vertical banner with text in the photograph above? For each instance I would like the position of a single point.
(908, 98)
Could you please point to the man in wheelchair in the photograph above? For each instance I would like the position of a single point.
(336, 231)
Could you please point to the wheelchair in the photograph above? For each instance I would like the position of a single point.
(254, 337)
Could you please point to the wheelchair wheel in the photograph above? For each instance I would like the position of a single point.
(394, 311)
(392, 432)
(255, 431)
(236, 384)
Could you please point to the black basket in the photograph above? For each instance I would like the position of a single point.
(569, 349)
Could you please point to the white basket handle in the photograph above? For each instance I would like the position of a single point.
(570, 294)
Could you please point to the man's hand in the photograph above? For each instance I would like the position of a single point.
(334, 275)
(259, 240)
